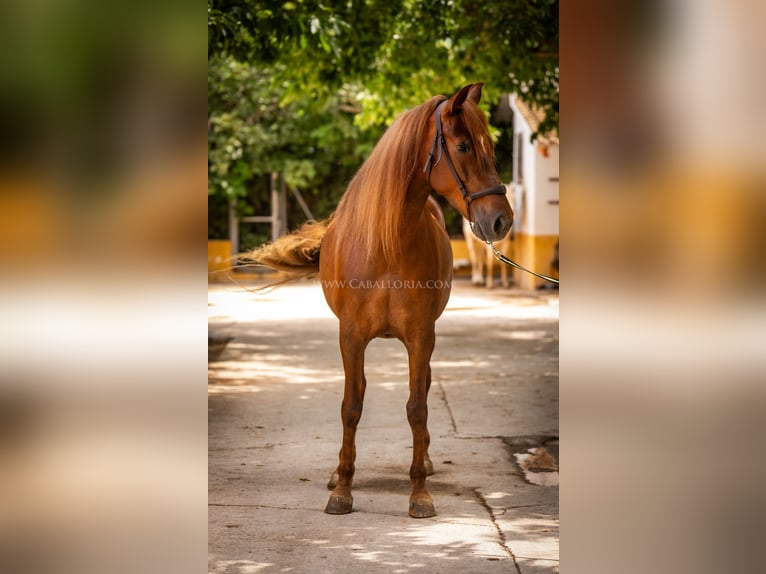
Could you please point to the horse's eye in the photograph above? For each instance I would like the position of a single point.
(463, 147)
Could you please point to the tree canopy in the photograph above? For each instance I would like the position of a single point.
(397, 52)
(305, 87)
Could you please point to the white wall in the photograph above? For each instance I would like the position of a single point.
(546, 220)
(534, 214)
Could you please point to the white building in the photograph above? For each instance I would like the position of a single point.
(536, 189)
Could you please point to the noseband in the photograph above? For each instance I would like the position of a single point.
(439, 141)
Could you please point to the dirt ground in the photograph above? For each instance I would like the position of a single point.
(275, 389)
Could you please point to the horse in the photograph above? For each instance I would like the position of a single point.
(480, 254)
(385, 263)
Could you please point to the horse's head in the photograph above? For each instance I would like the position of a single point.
(461, 165)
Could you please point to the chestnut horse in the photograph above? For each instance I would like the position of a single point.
(385, 262)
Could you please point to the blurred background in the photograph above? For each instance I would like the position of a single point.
(102, 211)
(663, 302)
(102, 287)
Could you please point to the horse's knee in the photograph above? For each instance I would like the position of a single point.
(417, 413)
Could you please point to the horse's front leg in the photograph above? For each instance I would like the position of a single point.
(419, 349)
(352, 350)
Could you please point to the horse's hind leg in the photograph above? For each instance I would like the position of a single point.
(504, 246)
(352, 350)
(419, 349)
(490, 267)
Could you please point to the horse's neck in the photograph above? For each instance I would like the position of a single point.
(417, 218)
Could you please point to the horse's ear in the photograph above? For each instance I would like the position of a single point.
(474, 93)
(456, 101)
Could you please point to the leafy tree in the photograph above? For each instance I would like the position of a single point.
(253, 133)
(305, 88)
(397, 52)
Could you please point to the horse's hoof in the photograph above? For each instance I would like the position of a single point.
(429, 467)
(339, 504)
(333, 482)
(422, 508)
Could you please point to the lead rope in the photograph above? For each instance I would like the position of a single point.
(500, 257)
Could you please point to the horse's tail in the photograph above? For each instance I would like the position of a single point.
(296, 254)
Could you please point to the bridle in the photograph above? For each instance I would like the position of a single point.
(498, 189)
(439, 141)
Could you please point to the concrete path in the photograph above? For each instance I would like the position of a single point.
(274, 433)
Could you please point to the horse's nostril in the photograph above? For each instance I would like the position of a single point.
(499, 225)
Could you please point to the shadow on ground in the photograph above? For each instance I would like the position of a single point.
(274, 434)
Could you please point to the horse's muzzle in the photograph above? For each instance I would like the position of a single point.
(492, 227)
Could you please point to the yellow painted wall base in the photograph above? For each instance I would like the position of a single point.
(535, 252)
(462, 260)
(218, 254)
(460, 257)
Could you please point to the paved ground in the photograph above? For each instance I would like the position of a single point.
(274, 434)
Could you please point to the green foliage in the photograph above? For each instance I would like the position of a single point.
(255, 130)
(305, 88)
(396, 53)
